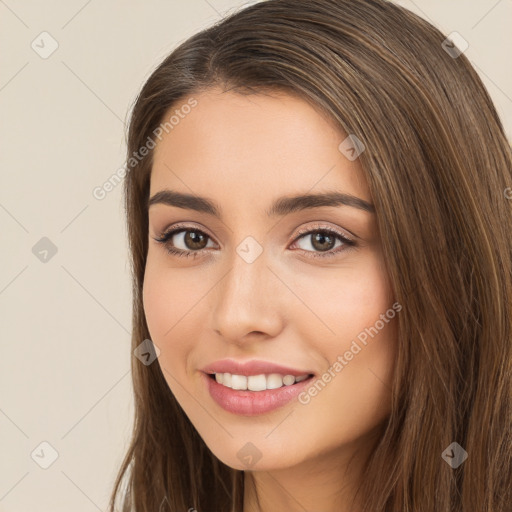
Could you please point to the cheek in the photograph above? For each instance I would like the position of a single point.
(168, 300)
(359, 325)
(348, 302)
(158, 298)
(169, 296)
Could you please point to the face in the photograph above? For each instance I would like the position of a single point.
(254, 281)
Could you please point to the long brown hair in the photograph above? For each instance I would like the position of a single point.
(439, 167)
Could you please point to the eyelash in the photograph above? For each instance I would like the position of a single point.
(348, 243)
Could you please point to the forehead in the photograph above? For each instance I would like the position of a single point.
(246, 147)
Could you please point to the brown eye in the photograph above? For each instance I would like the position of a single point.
(195, 240)
(322, 241)
(184, 241)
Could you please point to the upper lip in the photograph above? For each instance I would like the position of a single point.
(254, 367)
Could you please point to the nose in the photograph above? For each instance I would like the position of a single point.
(248, 302)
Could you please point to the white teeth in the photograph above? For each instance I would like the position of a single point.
(274, 381)
(257, 382)
(238, 381)
(288, 380)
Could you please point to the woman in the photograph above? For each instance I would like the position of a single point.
(320, 231)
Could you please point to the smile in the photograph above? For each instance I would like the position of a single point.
(255, 394)
(257, 382)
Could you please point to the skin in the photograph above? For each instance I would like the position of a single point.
(287, 307)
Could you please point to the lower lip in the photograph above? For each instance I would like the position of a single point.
(252, 403)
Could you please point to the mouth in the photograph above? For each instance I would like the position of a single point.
(251, 395)
(257, 383)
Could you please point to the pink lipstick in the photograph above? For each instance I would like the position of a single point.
(253, 387)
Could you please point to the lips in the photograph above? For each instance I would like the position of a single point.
(247, 402)
(255, 367)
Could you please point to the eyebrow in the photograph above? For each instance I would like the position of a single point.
(280, 207)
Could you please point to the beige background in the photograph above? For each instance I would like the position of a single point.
(64, 365)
